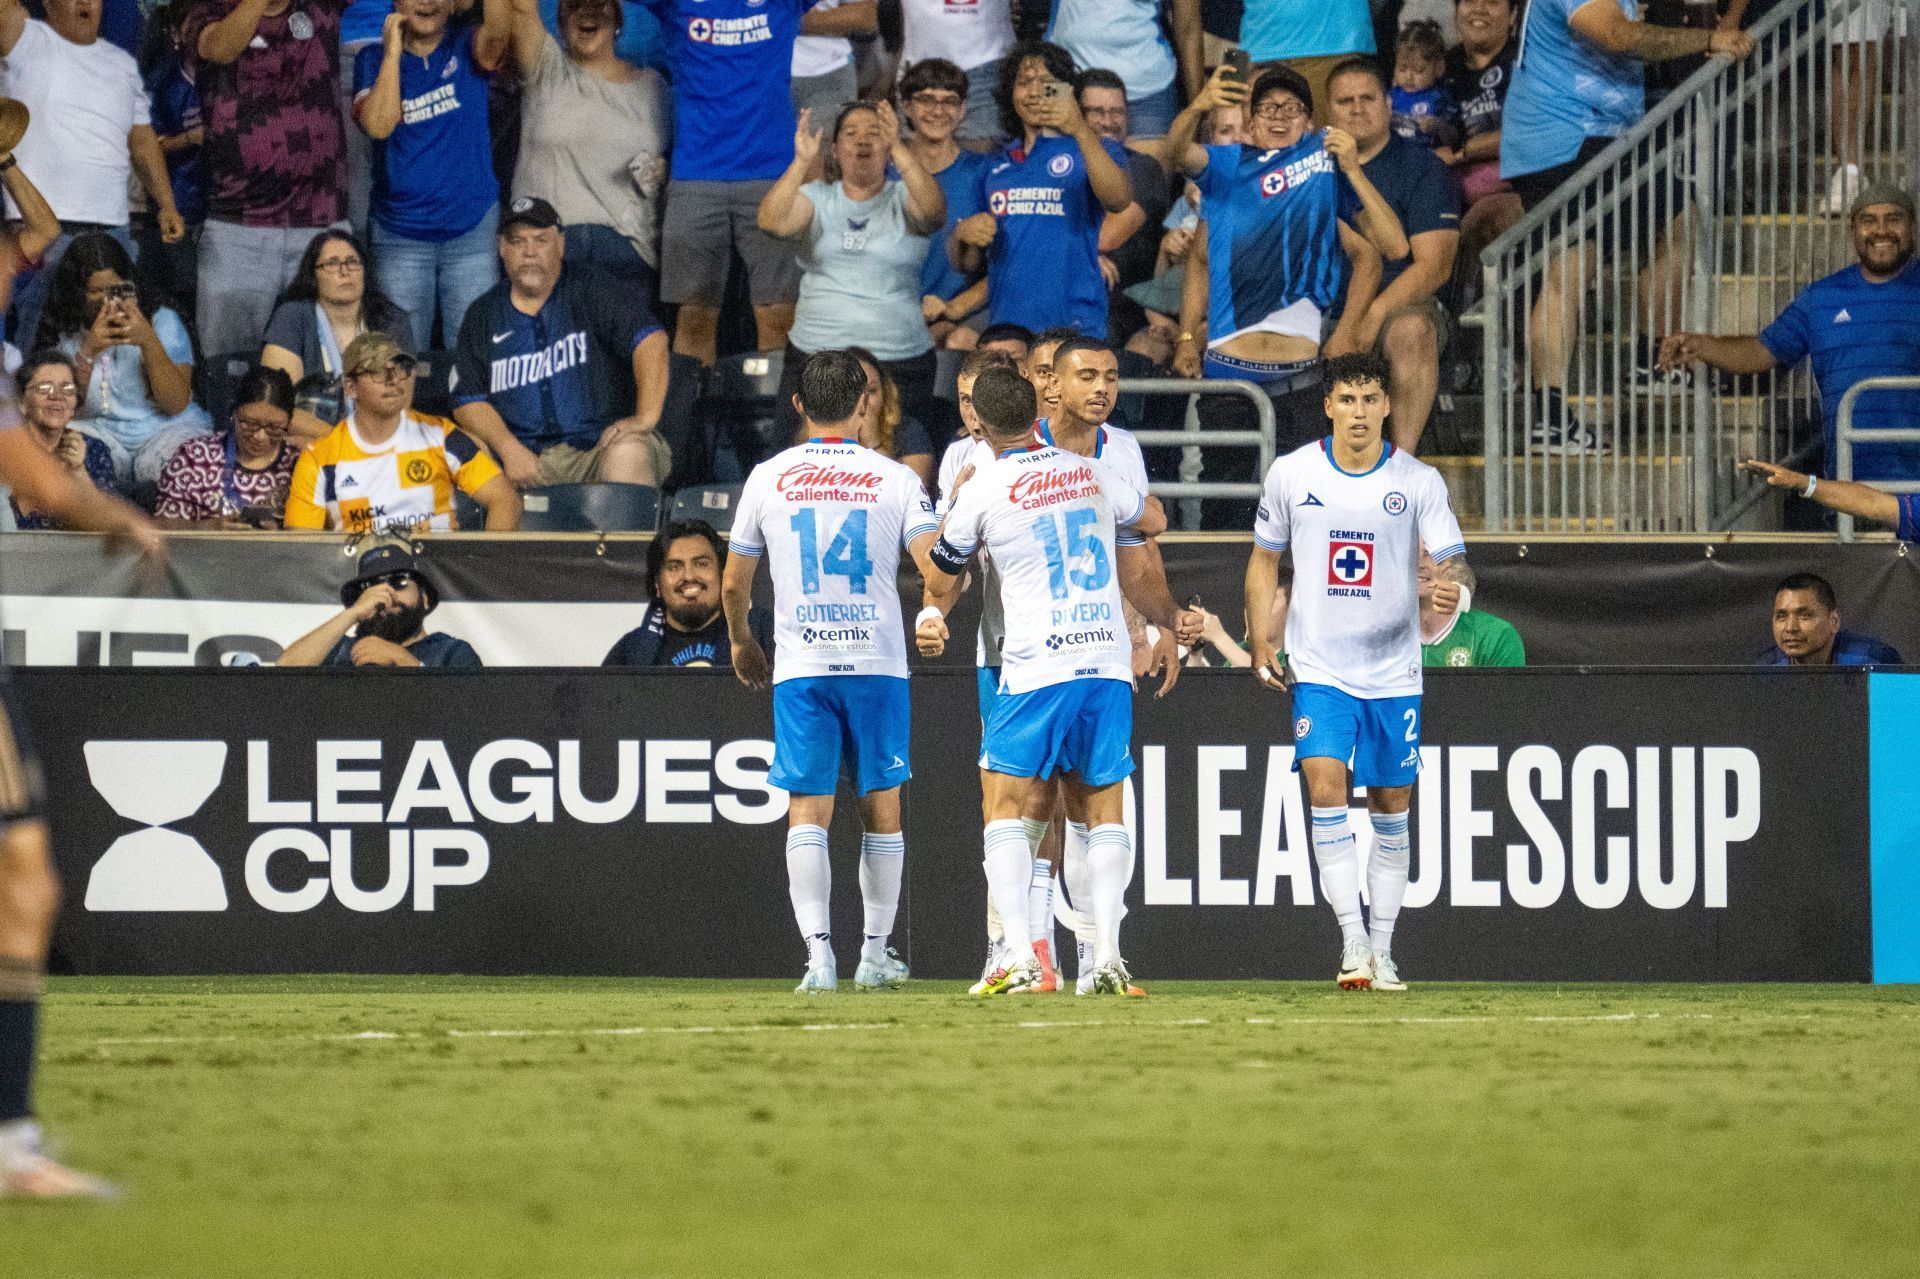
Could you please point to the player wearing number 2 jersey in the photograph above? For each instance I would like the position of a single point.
(1048, 520)
(831, 516)
(1354, 510)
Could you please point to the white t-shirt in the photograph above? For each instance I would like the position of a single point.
(832, 516)
(819, 55)
(85, 98)
(1047, 517)
(1354, 618)
(967, 33)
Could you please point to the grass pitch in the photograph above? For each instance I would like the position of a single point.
(373, 1127)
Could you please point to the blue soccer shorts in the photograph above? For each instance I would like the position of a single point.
(824, 722)
(1084, 727)
(987, 685)
(1377, 738)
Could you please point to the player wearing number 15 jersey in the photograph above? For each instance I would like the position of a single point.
(831, 517)
(1048, 520)
(1354, 511)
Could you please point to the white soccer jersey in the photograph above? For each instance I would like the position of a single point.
(832, 516)
(1047, 517)
(961, 453)
(993, 624)
(1114, 448)
(1354, 618)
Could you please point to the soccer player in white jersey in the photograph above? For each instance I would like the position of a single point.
(1048, 519)
(832, 516)
(1354, 510)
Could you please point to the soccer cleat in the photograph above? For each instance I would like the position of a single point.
(1356, 964)
(995, 962)
(1386, 976)
(821, 979)
(1083, 985)
(1113, 979)
(1010, 979)
(886, 973)
(1049, 975)
(28, 1172)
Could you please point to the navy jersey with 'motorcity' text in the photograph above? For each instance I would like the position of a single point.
(561, 376)
(1273, 234)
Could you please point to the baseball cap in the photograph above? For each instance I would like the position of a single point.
(1882, 193)
(371, 352)
(529, 210)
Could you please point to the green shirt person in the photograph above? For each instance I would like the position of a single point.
(1469, 638)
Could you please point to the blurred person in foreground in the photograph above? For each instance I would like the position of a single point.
(29, 888)
(684, 625)
(384, 621)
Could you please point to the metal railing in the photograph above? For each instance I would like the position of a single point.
(1194, 437)
(1709, 216)
(1846, 435)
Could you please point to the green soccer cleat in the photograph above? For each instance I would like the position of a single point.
(1010, 978)
(888, 972)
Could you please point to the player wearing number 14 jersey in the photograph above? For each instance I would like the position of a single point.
(1354, 511)
(831, 516)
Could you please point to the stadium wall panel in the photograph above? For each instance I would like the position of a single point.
(564, 601)
(1669, 825)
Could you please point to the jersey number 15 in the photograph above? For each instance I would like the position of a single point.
(846, 554)
(1081, 549)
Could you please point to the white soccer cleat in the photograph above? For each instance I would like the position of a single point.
(821, 979)
(1083, 985)
(1356, 964)
(28, 1172)
(1011, 979)
(995, 962)
(888, 972)
(1113, 979)
(1386, 976)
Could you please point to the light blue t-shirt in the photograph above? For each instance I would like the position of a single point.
(860, 281)
(1123, 36)
(1275, 29)
(1565, 91)
(117, 401)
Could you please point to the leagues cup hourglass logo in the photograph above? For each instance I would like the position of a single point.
(156, 783)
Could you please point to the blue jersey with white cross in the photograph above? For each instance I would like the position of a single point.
(1273, 234)
(732, 63)
(1043, 268)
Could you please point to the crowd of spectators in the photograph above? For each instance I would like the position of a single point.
(544, 201)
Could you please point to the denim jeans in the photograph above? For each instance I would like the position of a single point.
(415, 274)
(242, 271)
(608, 254)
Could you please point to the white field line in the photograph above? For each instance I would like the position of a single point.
(761, 1028)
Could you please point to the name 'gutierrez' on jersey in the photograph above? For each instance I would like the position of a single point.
(832, 517)
(1047, 518)
(1353, 620)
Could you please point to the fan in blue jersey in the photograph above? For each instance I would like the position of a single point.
(29, 889)
(1046, 196)
(1048, 519)
(1286, 212)
(1354, 510)
(831, 517)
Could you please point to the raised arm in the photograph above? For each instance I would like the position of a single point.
(1844, 496)
(378, 108)
(1603, 24)
(1377, 220)
(13, 20)
(784, 212)
(528, 36)
(1179, 152)
(854, 18)
(224, 41)
(1184, 20)
(39, 228)
(1363, 281)
(926, 202)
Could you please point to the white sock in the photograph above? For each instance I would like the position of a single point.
(1083, 959)
(1078, 880)
(995, 933)
(1009, 869)
(810, 884)
(1339, 861)
(1036, 831)
(1107, 859)
(1387, 877)
(882, 859)
(1040, 903)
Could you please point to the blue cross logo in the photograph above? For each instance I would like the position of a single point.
(1350, 563)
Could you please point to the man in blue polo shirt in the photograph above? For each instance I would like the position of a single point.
(1855, 324)
(1407, 321)
(562, 375)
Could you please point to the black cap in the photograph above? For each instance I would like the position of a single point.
(1280, 77)
(529, 210)
(390, 557)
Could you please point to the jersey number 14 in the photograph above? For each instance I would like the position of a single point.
(846, 554)
(1079, 557)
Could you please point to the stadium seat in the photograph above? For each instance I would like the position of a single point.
(216, 378)
(946, 374)
(742, 408)
(692, 450)
(433, 384)
(591, 508)
(713, 503)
